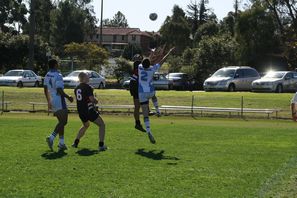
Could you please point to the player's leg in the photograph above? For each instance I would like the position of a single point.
(81, 133)
(156, 105)
(100, 123)
(138, 125)
(144, 101)
(62, 116)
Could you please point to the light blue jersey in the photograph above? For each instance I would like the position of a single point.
(145, 78)
(146, 89)
(54, 80)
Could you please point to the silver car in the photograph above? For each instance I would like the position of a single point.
(20, 78)
(96, 80)
(276, 81)
(234, 78)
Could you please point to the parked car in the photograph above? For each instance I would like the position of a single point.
(159, 81)
(277, 81)
(96, 80)
(180, 80)
(20, 78)
(232, 78)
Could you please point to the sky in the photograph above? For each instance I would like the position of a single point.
(137, 11)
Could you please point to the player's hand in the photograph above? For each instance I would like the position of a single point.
(70, 98)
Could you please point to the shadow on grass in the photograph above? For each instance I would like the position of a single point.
(87, 152)
(156, 155)
(53, 155)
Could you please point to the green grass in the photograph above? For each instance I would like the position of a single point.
(192, 158)
(21, 97)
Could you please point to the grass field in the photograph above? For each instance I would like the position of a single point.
(20, 99)
(192, 158)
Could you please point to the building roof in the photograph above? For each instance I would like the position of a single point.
(122, 31)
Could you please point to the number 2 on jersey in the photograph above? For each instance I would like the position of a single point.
(143, 76)
(78, 95)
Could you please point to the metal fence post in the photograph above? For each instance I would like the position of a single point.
(2, 102)
(241, 106)
(192, 108)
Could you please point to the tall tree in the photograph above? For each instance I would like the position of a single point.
(118, 20)
(12, 12)
(70, 22)
(43, 9)
(193, 13)
(176, 31)
(256, 35)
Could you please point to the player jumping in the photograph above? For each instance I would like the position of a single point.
(145, 87)
(87, 111)
(55, 96)
(133, 86)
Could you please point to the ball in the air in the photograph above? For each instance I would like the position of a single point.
(153, 16)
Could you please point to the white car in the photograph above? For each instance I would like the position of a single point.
(20, 78)
(96, 80)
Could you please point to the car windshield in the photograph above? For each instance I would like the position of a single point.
(14, 73)
(275, 75)
(73, 74)
(224, 73)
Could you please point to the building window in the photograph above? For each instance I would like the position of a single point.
(123, 38)
(133, 38)
(114, 38)
(91, 37)
(97, 36)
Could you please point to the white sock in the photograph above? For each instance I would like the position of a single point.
(147, 125)
(61, 140)
(52, 136)
(155, 102)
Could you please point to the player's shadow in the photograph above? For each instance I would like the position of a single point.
(87, 152)
(53, 155)
(155, 155)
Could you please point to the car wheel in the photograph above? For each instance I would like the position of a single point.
(36, 84)
(231, 88)
(20, 84)
(170, 87)
(279, 89)
(101, 86)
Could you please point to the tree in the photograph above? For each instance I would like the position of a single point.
(122, 69)
(130, 50)
(12, 12)
(119, 20)
(176, 31)
(90, 55)
(256, 35)
(193, 13)
(208, 29)
(210, 54)
(70, 22)
(16, 46)
(43, 8)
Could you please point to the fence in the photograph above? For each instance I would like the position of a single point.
(185, 103)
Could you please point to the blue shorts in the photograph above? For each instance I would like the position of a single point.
(58, 103)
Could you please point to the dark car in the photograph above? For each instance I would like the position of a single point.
(180, 80)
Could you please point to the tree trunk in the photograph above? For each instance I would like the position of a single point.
(31, 35)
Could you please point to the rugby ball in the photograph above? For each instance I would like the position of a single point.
(153, 16)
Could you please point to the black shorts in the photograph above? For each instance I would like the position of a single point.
(90, 115)
(134, 89)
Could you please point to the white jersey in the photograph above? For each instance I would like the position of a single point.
(145, 78)
(294, 99)
(54, 80)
